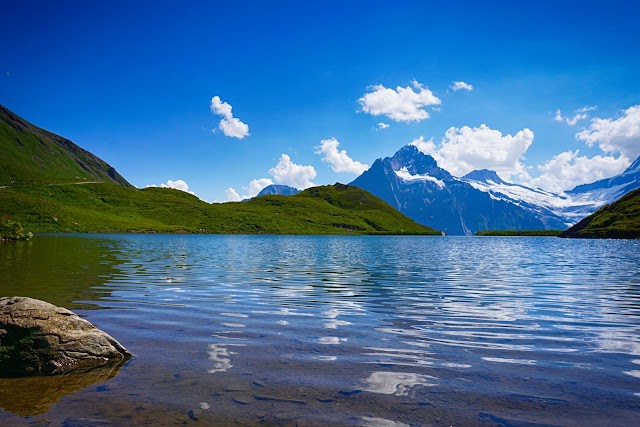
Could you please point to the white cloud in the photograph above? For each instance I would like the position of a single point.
(221, 108)
(587, 108)
(288, 173)
(575, 119)
(176, 185)
(620, 135)
(234, 127)
(285, 172)
(401, 104)
(427, 147)
(339, 160)
(465, 149)
(572, 121)
(232, 195)
(567, 170)
(256, 186)
(383, 125)
(456, 86)
(252, 190)
(229, 125)
(558, 117)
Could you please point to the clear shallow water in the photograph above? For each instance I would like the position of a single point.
(377, 331)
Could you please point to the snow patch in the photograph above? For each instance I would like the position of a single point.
(570, 209)
(405, 175)
(524, 194)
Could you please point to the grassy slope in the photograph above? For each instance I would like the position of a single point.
(30, 154)
(109, 207)
(620, 219)
(45, 186)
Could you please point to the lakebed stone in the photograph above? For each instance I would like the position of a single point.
(38, 338)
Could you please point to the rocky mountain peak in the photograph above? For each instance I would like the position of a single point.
(484, 175)
(417, 163)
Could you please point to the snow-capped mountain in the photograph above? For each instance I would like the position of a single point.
(412, 182)
(551, 208)
(571, 206)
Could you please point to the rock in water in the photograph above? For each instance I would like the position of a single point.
(38, 338)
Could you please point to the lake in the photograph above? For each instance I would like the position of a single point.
(341, 331)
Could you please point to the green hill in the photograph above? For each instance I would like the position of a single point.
(40, 173)
(30, 154)
(108, 207)
(619, 220)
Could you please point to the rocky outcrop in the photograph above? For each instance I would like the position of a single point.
(38, 338)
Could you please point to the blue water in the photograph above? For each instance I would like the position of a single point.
(372, 331)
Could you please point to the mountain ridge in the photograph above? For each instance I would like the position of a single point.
(34, 155)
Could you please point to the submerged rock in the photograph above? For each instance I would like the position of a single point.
(38, 338)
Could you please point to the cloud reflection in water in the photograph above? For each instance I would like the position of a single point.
(221, 357)
(397, 383)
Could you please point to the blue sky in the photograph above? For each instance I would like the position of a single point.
(548, 100)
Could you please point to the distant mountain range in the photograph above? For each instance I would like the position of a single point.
(412, 182)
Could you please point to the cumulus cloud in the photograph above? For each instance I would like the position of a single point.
(256, 186)
(252, 190)
(338, 160)
(404, 104)
(465, 149)
(288, 173)
(285, 172)
(620, 135)
(229, 125)
(456, 86)
(427, 147)
(382, 125)
(176, 185)
(221, 108)
(232, 195)
(234, 127)
(568, 169)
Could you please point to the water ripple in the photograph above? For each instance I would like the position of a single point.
(394, 316)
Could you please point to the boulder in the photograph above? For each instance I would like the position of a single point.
(38, 338)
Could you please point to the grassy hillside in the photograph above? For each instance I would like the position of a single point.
(49, 184)
(619, 220)
(109, 207)
(30, 154)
